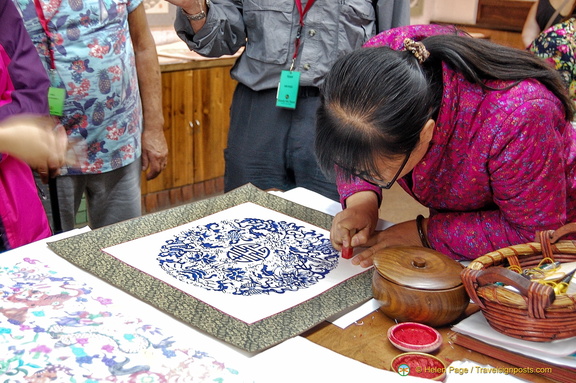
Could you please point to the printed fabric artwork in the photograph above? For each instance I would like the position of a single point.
(54, 327)
(248, 261)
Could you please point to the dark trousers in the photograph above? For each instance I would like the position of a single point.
(271, 147)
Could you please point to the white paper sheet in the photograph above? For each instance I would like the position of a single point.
(249, 270)
(300, 360)
(311, 200)
(352, 315)
(556, 352)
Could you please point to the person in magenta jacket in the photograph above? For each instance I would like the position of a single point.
(479, 133)
(27, 135)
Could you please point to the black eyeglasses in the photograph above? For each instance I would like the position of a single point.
(386, 185)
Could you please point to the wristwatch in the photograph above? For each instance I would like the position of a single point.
(198, 16)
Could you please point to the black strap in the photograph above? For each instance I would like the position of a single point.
(555, 14)
(55, 205)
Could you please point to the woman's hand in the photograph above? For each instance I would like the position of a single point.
(354, 225)
(36, 140)
(401, 234)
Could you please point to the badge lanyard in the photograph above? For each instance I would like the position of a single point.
(287, 94)
(56, 96)
(302, 13)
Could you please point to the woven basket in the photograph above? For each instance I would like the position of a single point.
(533, 313)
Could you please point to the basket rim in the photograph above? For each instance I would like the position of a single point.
(567, 247)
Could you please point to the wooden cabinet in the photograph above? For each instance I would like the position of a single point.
(507, 15)
(500, 21)
(503, 37)
(196, 100)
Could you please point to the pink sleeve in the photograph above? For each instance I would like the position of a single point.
(348, 186)
(527, 183)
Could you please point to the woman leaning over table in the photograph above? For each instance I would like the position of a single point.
(478, 133)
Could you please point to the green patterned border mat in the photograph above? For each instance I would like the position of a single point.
(84, 251)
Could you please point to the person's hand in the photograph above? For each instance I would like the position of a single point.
(400, 234)
(154, 152)
(37, 140)
(193, 7)
(354, 225)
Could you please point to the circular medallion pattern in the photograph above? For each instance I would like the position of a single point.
(249, 256)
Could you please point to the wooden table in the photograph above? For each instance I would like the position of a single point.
(367, 342)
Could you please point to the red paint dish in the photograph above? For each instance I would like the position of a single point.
(419, 364)
(412, 336)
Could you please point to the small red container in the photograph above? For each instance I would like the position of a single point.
(412, 336)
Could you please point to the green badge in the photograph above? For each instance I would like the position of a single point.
(56, 97)
(288, 89)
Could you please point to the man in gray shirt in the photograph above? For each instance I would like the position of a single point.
(289, 47)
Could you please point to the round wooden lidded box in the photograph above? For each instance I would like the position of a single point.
(416, 284)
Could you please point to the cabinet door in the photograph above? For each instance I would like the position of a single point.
(177, 96)
(196, 107)
(508, 15)
(213, 89)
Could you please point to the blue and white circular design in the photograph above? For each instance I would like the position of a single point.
(249, 256)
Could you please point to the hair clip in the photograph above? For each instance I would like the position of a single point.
(417, 49)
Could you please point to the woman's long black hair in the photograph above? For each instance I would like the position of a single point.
(376, 100)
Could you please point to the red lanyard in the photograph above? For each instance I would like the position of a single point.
(44, 24)
(302, 13)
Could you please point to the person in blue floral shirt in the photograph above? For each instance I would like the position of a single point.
(94, 50)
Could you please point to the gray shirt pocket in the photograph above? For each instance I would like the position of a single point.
(269, 25)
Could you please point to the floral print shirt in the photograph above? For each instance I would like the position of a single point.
(501, 164)
(95, 64)
(557, 45)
